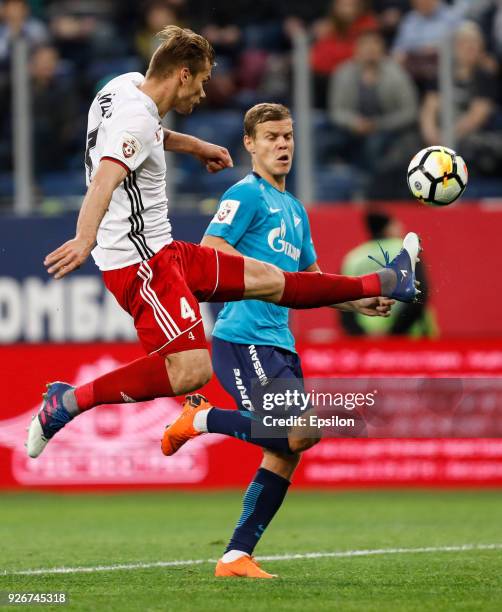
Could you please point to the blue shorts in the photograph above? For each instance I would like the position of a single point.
(246, 370)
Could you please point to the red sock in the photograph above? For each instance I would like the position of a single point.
(311, 290)
(142, 380)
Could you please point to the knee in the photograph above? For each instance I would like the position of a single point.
(263, 280)
(282, 464)
(300, 445)
(274, 279)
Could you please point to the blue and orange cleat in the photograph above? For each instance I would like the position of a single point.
(244, 567)
(51, 417)
(182, 430)
(403, 265)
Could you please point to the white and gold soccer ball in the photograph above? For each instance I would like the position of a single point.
(437, 176)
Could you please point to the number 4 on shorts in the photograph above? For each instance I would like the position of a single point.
(186, 311)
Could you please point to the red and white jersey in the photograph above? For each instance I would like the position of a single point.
(124, 126)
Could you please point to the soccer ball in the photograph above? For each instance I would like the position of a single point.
(437, 176)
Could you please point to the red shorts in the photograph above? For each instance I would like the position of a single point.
(163, 293)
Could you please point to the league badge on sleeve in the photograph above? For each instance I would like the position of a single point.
(226, 212)
(129, 147)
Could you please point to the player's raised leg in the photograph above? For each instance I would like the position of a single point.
(302, 290)
(258, 280)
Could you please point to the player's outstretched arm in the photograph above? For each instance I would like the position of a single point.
(72, 254)
(213, 157)
(220, 244)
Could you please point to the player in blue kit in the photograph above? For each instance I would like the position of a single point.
(251, 340)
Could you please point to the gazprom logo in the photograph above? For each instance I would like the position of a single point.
(277, 243)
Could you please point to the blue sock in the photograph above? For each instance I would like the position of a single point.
(237, 423)
(261, 501)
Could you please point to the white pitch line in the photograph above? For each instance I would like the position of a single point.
(286, 557)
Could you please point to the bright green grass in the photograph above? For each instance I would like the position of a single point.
(86, 530)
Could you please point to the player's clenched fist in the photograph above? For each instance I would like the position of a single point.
(68, 257)
(214, 157)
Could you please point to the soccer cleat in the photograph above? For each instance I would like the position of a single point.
(244, 567)
(182, 429)
(51, 417)
(403, 265)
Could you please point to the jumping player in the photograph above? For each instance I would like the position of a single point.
(158, 281)
(251, 339)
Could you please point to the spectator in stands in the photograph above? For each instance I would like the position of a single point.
(389, 14)
(55, 109)
(372, 103)
(475, 91)
(16, 21)
(405, 319)
(227, 40)
(335, 40)
(496, 33)
(419, 35)
(251, 44)
(488, 13)
(158, 15)
(83, 32)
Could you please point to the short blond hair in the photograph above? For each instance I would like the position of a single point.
(180, 47)
(260, 113)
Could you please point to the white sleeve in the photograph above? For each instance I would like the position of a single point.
(129, 137)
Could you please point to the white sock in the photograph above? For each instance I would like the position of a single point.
(233, 555)
(200, 421)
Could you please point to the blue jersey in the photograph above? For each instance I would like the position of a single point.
(270, 225)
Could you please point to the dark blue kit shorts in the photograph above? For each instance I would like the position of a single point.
(247, 372)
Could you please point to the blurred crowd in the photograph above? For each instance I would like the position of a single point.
(375, 80)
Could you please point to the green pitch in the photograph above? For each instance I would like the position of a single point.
(49, 531)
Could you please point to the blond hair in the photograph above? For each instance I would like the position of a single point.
(180, 47)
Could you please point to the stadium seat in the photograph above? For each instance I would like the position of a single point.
(224, 127)
(101, 71)
(322, 135)
(335, 183)
(6, 185)
(214, 185)
(485, 187)
(62, 183)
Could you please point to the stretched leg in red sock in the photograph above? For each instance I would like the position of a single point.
(144, 379)
(299, 290)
